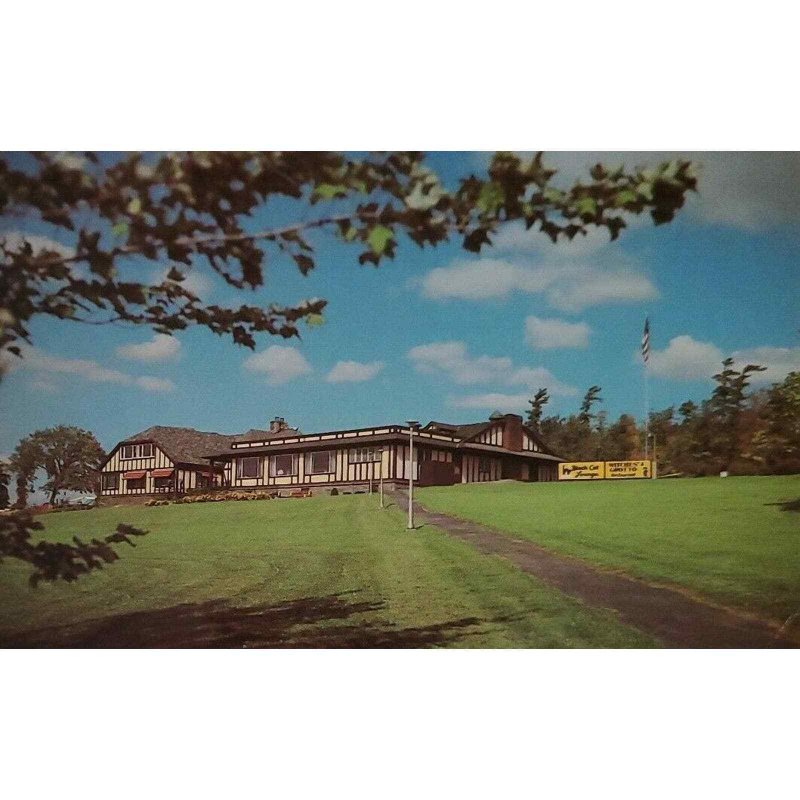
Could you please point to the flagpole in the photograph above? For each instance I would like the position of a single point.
(646, 377)
(646, 412)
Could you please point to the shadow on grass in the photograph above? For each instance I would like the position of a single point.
(307, 622)
(787, 505)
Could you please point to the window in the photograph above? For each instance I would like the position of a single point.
(136, 483)
(130, 451)
(483, 465)
(110, 481)
(364, 455)
(283, 465)
(320, 462)
(248, 467)
(162, 483)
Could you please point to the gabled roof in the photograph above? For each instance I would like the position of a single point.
(473, 429)
(182, 445)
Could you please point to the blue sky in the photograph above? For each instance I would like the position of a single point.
(444, 334)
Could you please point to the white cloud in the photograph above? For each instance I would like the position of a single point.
(160, 348)
(353, 371)
(452, 360)
(493, 400)
(549, 334)
(597, 287)
(779, 361)
(685, 358)
(483, 279)
(45, 366)
(280, 364)
(14, 240)
(566, 286)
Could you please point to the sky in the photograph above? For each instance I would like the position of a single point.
(452, 336)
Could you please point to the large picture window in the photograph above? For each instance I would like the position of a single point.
(248, 467)
(323, 461)
(136, 483)
(283, 465)
(110, 481)
(364, 455)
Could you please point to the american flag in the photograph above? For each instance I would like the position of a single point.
(646, 340)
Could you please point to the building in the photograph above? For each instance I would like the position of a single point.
(283, 458)
(170, 460)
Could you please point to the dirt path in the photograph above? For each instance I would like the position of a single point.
(673, 617)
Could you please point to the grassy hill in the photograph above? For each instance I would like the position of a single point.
(736, 540)
(318, 572)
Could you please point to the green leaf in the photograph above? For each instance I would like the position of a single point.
(378, 238)
(120, 229)
(625, 197)
(315, 320)
(135, 206)
(327, 191)
(586, 207)
(490, 197)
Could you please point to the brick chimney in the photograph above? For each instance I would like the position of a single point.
(277, 425)
(512, 432)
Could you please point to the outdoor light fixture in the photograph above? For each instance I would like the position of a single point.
(381, 451)
(413, 424)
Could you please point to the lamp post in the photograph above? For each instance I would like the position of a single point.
(413, 424)
(654, 465)
(380, 453)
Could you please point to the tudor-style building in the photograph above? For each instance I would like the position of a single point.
(169, 460)
(502, 447)
(283, 458)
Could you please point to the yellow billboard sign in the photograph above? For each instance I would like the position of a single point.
(581, 471)
(598, 470)
(628, 469)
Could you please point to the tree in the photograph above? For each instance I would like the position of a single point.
(5, 477)
(622, 439)
(591, 397)
(779, 443)
(725, 409)
(537, 404)
(69, 456)
(54, 561)
(187, 211)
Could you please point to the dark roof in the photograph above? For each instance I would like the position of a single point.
(256, 435)
(464, 432)
(459, 431)
(183, 445)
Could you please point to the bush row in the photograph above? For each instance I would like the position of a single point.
(213, 498)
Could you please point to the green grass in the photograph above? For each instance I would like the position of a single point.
(732, 539)
(318, 572)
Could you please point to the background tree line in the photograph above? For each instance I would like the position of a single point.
(740, 431)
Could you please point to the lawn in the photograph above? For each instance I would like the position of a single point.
(317, 572)
(736, 540)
